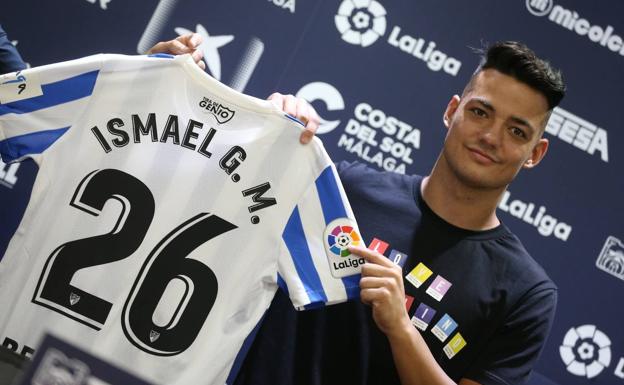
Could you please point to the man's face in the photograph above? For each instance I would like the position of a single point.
(494, 130)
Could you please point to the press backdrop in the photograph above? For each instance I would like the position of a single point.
(380, 73)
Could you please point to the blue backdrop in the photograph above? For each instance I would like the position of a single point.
(380, 73)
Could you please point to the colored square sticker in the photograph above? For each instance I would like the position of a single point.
(418, 275)
(444, 328)
(456, 344)
(423, 316)
(378, 246)
(439, 287)
(408, 302)
(397, 257)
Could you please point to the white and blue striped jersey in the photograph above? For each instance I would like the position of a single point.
(167, 210)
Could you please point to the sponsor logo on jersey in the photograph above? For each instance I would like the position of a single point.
(545, 224)
(364, 22)
(218, 110)
(611, 258)
(339, 235)
(572, 21)
(585, 351)
(284, 4)
(578, 132)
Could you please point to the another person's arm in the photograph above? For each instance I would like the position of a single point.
(10, 59)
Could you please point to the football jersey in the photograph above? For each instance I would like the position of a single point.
(167, 211)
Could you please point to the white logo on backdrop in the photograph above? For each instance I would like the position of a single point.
(539, 7)
(329, 95)
(285, 4)
(585, 351)
(572, 21)
(103, 3)
(611, 258)
(545, 224)
(580, 133)
(210, 47)
(361, 22)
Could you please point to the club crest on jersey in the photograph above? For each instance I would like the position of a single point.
(218, 110)
(339, 235)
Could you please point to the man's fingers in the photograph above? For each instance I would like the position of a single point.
(306, 135)
(375, 270)
(371, 296)
(173, 47)
(371, 282)
(190, 40)
(290, 105)
(371, 256)
(277, 99)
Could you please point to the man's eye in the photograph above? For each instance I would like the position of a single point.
(518, 132)
(478, 111)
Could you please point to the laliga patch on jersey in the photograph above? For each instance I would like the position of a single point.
(16, 86)
(339, 235)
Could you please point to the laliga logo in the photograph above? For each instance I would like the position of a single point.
(340, 238)
(329, 95)
(585, 351)
(360, 23)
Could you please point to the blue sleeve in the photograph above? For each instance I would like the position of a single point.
(10, 59)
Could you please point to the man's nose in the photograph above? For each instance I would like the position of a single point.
(491, 135)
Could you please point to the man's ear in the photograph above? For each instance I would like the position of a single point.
(451, 107)
(537, 154)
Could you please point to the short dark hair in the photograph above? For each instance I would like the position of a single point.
(520, 62)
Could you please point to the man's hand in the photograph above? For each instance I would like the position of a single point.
(381, 287)
(181, 45)
(301, 110)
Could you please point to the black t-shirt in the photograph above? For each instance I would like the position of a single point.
(484, 306)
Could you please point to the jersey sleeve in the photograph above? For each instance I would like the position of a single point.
(39, 105)
(513, 349)
(314, 267)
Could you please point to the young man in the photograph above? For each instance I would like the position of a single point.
(470, 305)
